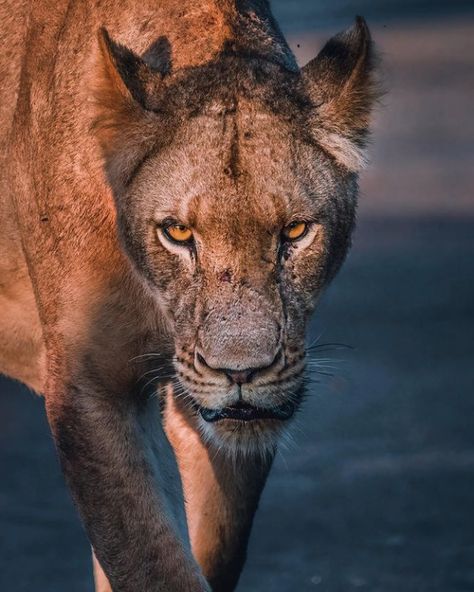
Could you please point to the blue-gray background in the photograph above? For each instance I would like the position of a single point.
(376, 491)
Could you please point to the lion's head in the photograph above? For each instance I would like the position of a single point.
(235, 184)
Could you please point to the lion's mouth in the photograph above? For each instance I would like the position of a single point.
(245, 412)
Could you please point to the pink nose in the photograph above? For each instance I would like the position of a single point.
(239, 376)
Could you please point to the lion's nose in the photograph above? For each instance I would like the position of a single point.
(240, 376)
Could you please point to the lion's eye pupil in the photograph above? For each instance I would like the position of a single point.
(295, 230)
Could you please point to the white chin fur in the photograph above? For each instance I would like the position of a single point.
(243, 439)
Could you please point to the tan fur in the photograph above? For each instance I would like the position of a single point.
(221, 498)
(114, 117)
(102, 584)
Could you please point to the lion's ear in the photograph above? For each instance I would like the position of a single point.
(124, 122)
(342, 87)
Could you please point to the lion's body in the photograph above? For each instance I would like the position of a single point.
(199, 112)
(20, 331)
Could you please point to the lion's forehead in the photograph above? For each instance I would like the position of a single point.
(245, 164)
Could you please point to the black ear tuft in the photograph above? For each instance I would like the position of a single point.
(127, 70)
(342, 86)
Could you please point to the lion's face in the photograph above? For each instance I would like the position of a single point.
(235, 186)
(239, 228)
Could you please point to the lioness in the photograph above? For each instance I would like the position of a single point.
(175, 195)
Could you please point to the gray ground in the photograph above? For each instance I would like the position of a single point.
(376, 491)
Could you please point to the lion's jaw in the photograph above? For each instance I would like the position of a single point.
(246, 417)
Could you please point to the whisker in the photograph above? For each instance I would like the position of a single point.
(315, 341)
(323, 363)
(159, 369)
(329, 346)
(147, 355)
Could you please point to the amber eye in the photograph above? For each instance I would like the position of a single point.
(178, 233)
(295, 230)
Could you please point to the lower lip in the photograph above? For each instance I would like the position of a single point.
(247, 413)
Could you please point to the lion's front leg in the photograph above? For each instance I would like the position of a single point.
(123, 477)
(222, 495)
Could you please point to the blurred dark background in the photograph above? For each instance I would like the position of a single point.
(375, 490)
